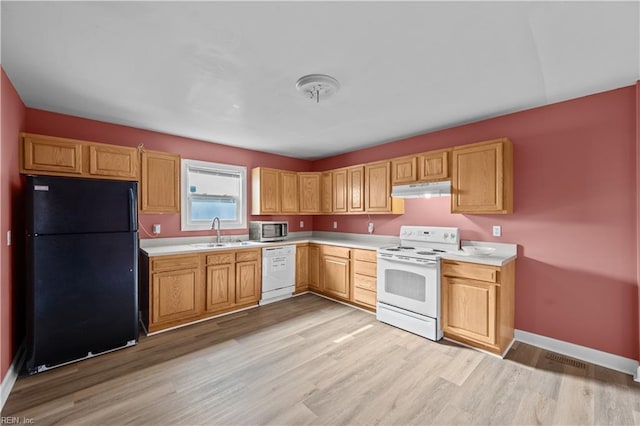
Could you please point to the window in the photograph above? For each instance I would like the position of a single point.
(210, 190)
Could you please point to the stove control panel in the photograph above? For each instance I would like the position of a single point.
(430, 234)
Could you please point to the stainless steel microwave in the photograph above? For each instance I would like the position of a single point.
(268, 231)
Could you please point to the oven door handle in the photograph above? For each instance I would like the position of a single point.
(410, 260)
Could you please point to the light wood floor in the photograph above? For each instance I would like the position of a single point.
(308, 360)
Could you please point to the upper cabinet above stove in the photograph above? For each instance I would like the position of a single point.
(432, 166)
(482, 178)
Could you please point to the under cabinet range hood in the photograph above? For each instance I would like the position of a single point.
(422, 190)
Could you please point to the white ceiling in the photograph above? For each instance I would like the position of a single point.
(226, 71)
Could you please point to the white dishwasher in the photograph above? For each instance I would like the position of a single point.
(278, 273)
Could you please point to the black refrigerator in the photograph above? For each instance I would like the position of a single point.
(82, 269)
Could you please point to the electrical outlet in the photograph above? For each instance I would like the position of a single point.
(370, 227)
(9, 237)
(302, 224)
(156, 228)
(497, 230)
(335, 225)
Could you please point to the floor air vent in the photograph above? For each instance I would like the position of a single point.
(567, 361)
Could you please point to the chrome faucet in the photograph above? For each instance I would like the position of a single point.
(213, 226)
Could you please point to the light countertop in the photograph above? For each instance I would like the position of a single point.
(503, 254)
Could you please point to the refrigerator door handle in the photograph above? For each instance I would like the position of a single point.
(132, 212)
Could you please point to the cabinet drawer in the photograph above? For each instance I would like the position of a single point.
(173, 263)
(365, 268)
(336, 251)
(364, 282)
(367, 297)
(473, 271)
(366, 255)
(220, 258)
(246, 255)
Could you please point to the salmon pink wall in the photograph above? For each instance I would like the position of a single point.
(53, 124)
(638, 208)
(13, 119)
(575, 214)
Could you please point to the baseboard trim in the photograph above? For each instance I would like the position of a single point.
(12, 375)
(594, 356)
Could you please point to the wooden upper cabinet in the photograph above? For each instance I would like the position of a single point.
(482, 178)
(326, 192)
(355, 192)
(340, 191)
(433, 166)
(111, 161)
(404, 170)
(43, 153)
(265, 191)
(288, 192)
(160, 182)
(309, 190)
(378, 187)
(48, 155)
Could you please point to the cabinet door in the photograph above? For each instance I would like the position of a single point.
(336, 276)
(302, 267)
(355, 190)
(309, 188)
(160, 182)
(469, 309)
(113, 161)
(433, 166)
(265, 191)
(404, 171)
(288, 192)
(221, 287)
(51, 154)
(176, 295)
(340, 198)
(326, 193)
(378, 187)
(479, 183)
(315, 282)
(248, 282)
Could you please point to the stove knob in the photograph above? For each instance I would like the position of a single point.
(446, 235)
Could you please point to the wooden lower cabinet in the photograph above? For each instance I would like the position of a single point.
(176, 294)
(170, 290)
(177, 290)
(302, 268)
(364, 282)
(248, 280)
(336, 271)
(478, 304)
(221, 287)
(315, 281)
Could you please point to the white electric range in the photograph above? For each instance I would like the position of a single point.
(409, 279)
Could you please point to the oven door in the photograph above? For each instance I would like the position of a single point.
(409, 284)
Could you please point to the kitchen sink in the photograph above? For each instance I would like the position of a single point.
(226, 244)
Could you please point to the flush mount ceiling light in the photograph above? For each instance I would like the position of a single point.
(316, 86)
